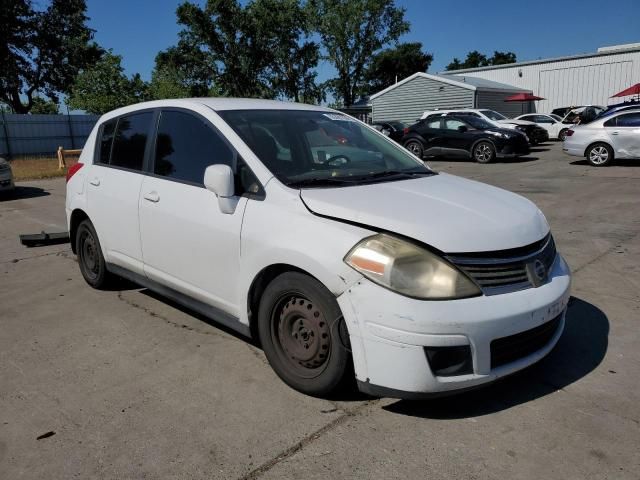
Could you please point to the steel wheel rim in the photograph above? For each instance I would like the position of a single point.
(599, 155)
(483, 152)
(301, 335)
(414, 148)
(90, 259)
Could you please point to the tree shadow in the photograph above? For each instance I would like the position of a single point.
(616, 163)
(579, 351)
(23, 192)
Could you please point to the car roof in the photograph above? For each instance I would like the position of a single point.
(220, 104)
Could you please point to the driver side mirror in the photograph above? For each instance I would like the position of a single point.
(219, 179)
(462, 128)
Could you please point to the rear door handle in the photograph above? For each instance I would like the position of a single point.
(95, 182)
(615, 133)
(152, 197)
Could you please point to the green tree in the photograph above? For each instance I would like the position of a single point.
(41, 51)
(502, 58)
(182, 71)
(395, 64)
(41, 105)
(351, 32)
(476, 59)
(256, 50)
(104, 87)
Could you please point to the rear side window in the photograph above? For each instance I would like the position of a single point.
(130, 140)
(629, 120)
(186, 145)
(108, 129)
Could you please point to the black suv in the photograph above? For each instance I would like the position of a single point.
(463, 136)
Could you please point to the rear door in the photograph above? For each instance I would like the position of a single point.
(188, 244)
(114, 185)
(430, 129)
(624, 131)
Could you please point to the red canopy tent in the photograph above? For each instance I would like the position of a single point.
(523, 97)
(633, 90)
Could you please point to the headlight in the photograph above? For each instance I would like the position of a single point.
(408, 269)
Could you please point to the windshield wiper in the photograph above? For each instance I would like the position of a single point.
(319, 182)
(395, 173)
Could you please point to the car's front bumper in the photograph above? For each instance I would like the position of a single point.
(6, 180)
(389, 333)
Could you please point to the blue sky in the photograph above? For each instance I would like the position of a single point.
(138, 29)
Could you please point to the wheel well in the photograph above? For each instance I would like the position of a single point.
(599, 142)
(77, 216)
(258, 286)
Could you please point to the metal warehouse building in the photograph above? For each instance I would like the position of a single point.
(409, 98)
(588, 79)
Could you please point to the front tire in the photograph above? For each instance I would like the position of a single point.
(599, 155)
(90, 258)
(304, 335)
(415, 147)
(563, 134)
(484, 152)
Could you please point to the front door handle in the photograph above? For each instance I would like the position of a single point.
(615, 133)
(95, 182)
(152, 197)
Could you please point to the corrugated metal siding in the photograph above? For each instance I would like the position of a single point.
(495, 101)
(43, 134)
(407, 102)
(581, 81)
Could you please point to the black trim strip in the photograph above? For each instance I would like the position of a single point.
(202, 308)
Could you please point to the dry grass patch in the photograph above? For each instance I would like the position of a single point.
(34, 168)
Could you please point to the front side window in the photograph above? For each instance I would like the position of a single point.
(493, 115)
(453, 124)
(130, 140)
(433, 123)
(186, 145)
(316, 148)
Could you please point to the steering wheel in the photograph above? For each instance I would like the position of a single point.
(330, 161)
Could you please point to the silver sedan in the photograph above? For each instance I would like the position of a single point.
(611, 137)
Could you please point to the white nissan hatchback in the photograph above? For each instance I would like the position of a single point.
(339, 250)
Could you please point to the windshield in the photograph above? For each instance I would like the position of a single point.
(478, 123)
(316, 148)
(493, 115)
(556, 117)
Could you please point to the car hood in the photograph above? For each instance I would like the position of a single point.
(449, 213)
(511, 121)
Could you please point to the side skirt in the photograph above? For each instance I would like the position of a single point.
(202, 308)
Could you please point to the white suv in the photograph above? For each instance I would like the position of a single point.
(341, 251)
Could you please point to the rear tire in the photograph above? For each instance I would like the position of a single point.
(484, 152)
(90, 258)
(415, 147)
(304, 335)
(599, 155)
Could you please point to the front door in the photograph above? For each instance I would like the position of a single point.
(188, 244)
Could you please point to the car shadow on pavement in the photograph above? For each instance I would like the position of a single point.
(21, 193)
(579, 351)
(615, 163)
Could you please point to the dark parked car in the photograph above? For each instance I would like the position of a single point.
(535, 133)
(392, 129)
(463, 136)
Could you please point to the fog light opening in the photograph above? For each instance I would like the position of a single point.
(450, 361)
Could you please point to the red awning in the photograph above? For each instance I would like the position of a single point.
(635, 90)
(522, 97)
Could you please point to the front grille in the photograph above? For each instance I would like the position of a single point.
(508, 270)
(509, 349)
